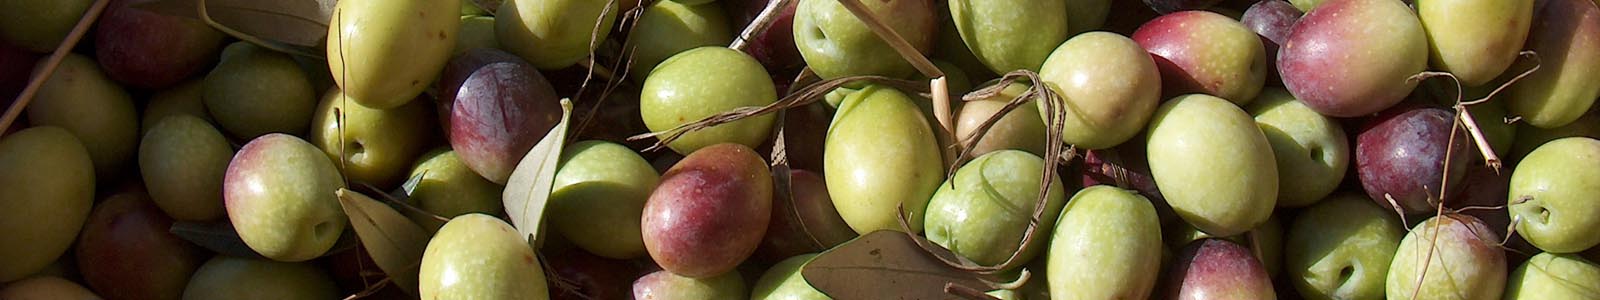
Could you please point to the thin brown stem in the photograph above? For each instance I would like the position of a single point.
(941, 110)
(906, 50)
(50, 64)
(966, 292)
(809, 94)
(371, 289)
(599, 70)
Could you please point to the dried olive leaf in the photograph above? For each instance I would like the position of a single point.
(302, 23)
(528, 189)
(218, 237)
(395, 243)
(490, 6)
(887, 265)
(178, 8)
(295, 22)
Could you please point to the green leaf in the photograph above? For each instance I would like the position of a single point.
(218, 237)
(528, 189)
(888, 265)
(396, 243)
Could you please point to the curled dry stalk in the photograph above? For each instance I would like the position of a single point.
(937, 91)
(49, 67)
(1056, 153)
(1462, 121)
(371, 289)
(618, 72)
(941, 96)
(802, 97)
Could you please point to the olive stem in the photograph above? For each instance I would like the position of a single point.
(1489, 157)
(894, 39)
(599, 70)
(966, 292)
(941, 110)
(49, 67)
(760, 25)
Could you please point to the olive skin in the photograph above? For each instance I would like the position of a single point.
(869, 180)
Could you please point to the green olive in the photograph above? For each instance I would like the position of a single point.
(702, 82)
(476, 256)
(1106, 245)
(383, 53)
(880, 153)
(983, 212)
(1213, 164)
(598, 198)
(553, 34)
(47, 189)
(1554, 193)
(1009, 35)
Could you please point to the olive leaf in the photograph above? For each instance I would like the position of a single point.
(178, 8)
(218, 237)
(396, 243)
(528, 189)
(888, 265)
(291, 26)
(297, 22)
(490, 6)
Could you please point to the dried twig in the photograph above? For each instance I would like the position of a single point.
(762, 22)
(1055, 156)
(966, 292)
(805, 96)
(50, 64)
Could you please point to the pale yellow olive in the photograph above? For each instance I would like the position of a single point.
(1109, 86)
(476, 256)
(46, 189)
(880, 154)
(1213, 164)
(383, 53)
(81, 99)
(553, 34)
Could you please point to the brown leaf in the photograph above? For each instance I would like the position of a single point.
(528, 189)
(490, 6)
(888, 265)
(396, 243)
(179, 8)
(218, 237)
(295, 22)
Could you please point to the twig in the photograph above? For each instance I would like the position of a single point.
(761, 23)
(894, 39)
(50, 64)
(1489, 157)
(598, 70)
(371, 289)
(809, 94)
(941, 98)
(1055, 155)
(941, 111)
(966, 292)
